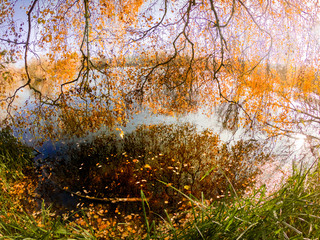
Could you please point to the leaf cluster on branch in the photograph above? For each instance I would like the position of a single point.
(167, 56)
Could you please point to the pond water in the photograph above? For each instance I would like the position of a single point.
(284, 150)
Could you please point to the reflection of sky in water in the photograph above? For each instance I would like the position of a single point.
(287, 149)
(300, 141)
(22, 96)
(201, 120)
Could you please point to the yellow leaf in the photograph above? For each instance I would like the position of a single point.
(147, 166)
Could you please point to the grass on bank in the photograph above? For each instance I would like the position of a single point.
(20, 215)
(290, 213)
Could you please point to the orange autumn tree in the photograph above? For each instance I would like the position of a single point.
(105, 60)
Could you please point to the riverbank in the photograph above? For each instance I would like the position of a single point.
(289, 213)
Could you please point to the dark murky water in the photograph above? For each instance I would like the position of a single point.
(54, 154)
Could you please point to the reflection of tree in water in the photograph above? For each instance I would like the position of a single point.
(229, 116)
(175, 154)
(9, 81)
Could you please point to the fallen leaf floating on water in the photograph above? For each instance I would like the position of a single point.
(147, 166)
(187, 187)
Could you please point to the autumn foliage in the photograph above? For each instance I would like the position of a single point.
(103, 61)
(71, 68)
